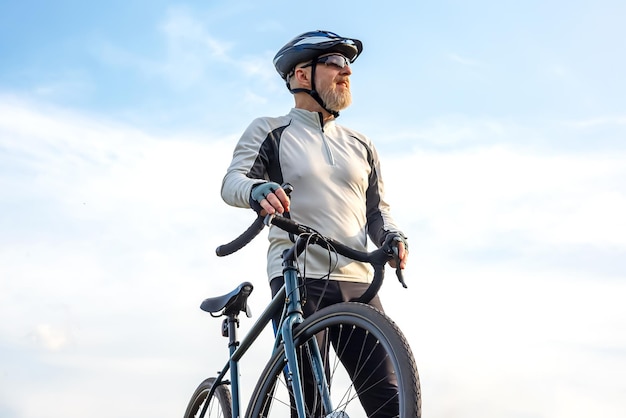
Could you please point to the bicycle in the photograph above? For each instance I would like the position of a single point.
(279, 391)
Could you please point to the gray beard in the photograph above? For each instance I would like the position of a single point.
(335, 100)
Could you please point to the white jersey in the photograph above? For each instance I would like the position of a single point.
(338, 189)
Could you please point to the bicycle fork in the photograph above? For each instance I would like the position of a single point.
(294, 317)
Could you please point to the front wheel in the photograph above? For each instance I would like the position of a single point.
(219, 406)
(370, 368)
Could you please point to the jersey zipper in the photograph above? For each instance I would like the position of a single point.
(329, 152)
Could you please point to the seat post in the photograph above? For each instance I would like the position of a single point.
(229, 329)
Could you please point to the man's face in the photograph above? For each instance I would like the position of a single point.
(333, 82)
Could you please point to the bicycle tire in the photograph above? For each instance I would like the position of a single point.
(219, 404)
(270, 397)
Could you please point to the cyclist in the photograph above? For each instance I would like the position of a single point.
(335, 171)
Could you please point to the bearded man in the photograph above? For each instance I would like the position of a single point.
(337, 184)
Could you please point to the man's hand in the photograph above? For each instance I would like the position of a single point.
(269, 198)
(398, 240)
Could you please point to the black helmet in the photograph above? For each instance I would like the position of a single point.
(310, 45)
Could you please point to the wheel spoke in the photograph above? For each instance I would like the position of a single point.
(368, 365)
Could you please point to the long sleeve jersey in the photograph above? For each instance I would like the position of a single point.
(338, 189)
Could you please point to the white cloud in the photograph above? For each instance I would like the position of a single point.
(190, 55)
(50, 337)
(183, 30)
(110, 251)
(598, 122)
(189, 51)
(463, 60)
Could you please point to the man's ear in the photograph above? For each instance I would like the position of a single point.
(302, 76)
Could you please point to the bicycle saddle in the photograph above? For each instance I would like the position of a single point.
(231, 303)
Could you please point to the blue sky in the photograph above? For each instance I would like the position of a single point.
(502, 130)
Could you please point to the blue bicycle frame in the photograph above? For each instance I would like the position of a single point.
(289, 296)
(289, 299)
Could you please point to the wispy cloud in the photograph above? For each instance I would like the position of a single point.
(184, 33)
(127, 223)
(190, 54)
(600, 121)
(469, 62)
(107, 230)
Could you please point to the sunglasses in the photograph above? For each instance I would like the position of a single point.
(337, 60)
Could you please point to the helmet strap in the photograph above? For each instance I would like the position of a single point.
(313, 92)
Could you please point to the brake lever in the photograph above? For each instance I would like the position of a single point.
(399, 273)
(268, 219)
